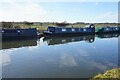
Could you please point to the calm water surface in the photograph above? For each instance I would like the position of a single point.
(68, 57)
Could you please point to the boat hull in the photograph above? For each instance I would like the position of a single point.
(63, 31)
(5, 38)
(67, 34)
(13, 34)
(108, 32)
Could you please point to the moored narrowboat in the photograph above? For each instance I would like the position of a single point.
(108, 29)
(61, 31)
(8, 33)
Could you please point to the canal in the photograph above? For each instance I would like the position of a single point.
(63, 57)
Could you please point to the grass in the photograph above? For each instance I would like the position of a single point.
(108, 75)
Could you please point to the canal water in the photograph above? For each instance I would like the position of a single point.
(63, 57)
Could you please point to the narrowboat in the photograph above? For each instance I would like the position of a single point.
(62, 31)
(8, 33)
(109, 30)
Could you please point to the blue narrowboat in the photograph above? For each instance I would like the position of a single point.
(108, 29)
(8, 34)
(61, 31)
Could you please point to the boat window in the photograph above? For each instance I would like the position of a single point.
(73, 29)
(18, 31)
(63, 29)
(106, 28)
(3, 31)
(116, 28)
(84, 29)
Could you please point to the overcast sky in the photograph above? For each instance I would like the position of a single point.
(56, 11)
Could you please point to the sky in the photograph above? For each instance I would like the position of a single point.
(59, 11)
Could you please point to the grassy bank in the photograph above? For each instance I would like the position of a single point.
(108, 75)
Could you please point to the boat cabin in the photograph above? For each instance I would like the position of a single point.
(13, 33)
(51, 29)
(109, 29)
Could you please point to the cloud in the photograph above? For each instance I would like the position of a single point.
(83, 52)
(96, 3)
(67, 60)
(32, 48)
(59, 0)
(29, 10)
(105, 17)
(13, 11)
(109, 16)
(6, 57)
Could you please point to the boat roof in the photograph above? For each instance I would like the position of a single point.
(63, 27)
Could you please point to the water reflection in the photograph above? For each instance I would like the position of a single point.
(88, 38)
(63, 40)
(108, 35)
(79, 59)
(19, 43)
(54, 40)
